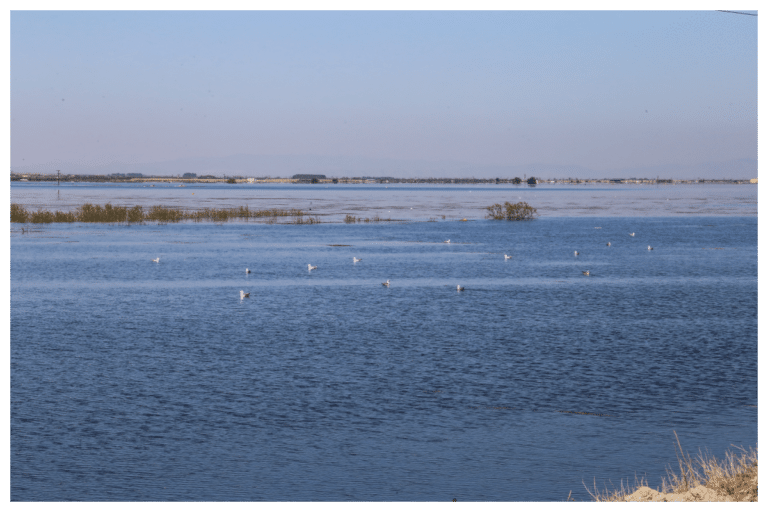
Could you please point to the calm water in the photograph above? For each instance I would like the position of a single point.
(406, 202)
(134, 380)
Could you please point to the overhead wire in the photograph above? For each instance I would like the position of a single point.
(738, 12)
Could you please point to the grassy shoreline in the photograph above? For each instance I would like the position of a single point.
(702, 478)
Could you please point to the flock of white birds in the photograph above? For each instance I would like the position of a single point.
(460, 288)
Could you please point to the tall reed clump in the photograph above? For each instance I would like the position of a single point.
(163, 214)
(95, 213)
(46, 217)
(510, 211)
(242, 212)
(135, 214)
(18, 213)
(41, 217)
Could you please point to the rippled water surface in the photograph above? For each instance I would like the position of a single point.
(134, 380)
(404, 201)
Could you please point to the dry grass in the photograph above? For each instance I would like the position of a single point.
(617, 494)
(111, 214)
(734, 477)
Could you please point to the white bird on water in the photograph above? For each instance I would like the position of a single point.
(310, 267)
(608, 244)
(575, 253)
(585, 272)
(157, 260)
(650, 248)
(244, 295)
(447, 241)
(507, 257)
(459, 288)
(247, 271)
(355, 260)
(386, 284)
(631, 234)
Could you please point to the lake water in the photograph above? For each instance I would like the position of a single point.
(403, 201)
(135, 380)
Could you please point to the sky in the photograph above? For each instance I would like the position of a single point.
(386, 93)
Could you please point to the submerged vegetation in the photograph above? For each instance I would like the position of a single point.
(351, 219)
(510, 211)
(703, 478)
(110, 214)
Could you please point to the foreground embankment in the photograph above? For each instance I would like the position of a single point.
(700, 478)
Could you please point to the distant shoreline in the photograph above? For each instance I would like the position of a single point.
(97, 178)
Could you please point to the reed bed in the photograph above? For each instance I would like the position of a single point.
(351, 219)
(300, 219)
(510, 211)
(734, 477)
(115, 214)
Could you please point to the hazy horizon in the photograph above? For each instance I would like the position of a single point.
(284, 166)
(589, 94)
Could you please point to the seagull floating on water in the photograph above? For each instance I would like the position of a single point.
(355, 260)
(244, 295)
(650, 248)
(585, 272)
(575, 253)
(247, 271)
(156, 260)
(459, 288)
(631, 234)
(310, 267)
(608, 244)
(386, 284)
(447, 241)
(507, 257)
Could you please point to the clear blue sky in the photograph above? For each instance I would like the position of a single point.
(602, 90)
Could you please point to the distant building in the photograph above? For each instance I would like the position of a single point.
(753, 180)
(189, 175)
(134, 175)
